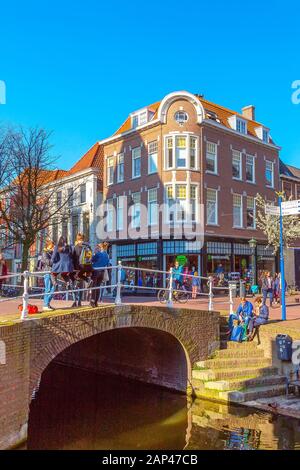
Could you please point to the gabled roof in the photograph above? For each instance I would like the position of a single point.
(93, 158)
(222, 114)
(289, 171)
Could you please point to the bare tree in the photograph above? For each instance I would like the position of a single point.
(269, 224)
(28, 187)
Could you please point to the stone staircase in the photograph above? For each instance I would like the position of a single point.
(236, 373)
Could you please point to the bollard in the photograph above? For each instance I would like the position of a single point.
(170, 298)
(231, 287)
(118, 299)
(25, 296)
(211, 294)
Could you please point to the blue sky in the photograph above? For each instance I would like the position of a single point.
(79, 68)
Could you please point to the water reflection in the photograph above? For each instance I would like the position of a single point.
(76, 409)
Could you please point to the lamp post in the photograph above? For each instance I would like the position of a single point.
(253, 244)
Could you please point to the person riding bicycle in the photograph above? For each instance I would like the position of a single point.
(177, 276)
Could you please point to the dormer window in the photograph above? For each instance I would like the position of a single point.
(263, 134)
(140, 118)
(238, 124)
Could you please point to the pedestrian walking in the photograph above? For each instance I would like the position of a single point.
(63, 266)
(100, 259)
(82, 260)
(267, 287)
(195, 285)
(45, 265)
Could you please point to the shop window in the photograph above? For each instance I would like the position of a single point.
(147, 249)
(124, 251)
(211, 207)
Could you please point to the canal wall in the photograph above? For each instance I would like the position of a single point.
(28, 347)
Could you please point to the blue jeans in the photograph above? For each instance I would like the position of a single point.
(265, 293)
(49, 290)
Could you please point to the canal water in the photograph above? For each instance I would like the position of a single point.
(76, 409)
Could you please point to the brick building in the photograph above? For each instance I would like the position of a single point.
(290, 185)
(188, 150)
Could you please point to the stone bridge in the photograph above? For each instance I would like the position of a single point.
(151, 344)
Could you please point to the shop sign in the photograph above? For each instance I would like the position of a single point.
(219, 257)
(272, 210)
(291, 207)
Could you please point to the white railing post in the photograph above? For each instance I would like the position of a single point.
(231, 298)
(118, 299)
(210, 294)
(170, 291)
(25, 296)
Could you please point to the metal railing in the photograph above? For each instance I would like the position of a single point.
(119, 284)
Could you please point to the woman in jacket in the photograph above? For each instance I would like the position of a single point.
(82, 260)
(46, 266)
(62, 264)
(261, 317)
(100, 260)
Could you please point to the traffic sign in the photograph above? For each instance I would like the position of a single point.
(291, 207)
(272, 210)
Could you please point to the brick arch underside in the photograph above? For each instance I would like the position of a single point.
(57, 334)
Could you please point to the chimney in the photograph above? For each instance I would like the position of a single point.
(248, 112)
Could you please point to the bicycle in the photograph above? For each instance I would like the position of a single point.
(178, 295)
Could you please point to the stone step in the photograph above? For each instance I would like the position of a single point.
(235, 363)
(225, 374)
(235, 345)
(246, 382)
(252, 394)
(237, 352)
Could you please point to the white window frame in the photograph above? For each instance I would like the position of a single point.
(120, 212)
(253, 166)
(216, 221)
(241, 210)
(155, 204)
(241, 126)
(133, 158)
(120, 175)
(215, 157)
(267, 183)
(239, 154)
(188, 138)
(252, 227)
(136, 209)
(151, 153)
(109, 168)
(109, 215)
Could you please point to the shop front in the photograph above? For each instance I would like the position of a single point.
(266, 260)
(186, 253)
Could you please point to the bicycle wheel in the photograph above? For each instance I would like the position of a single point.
(182, 297)
(162, 296)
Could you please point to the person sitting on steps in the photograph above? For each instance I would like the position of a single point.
(243, 314)
(261, 317)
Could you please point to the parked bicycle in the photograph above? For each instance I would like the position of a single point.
(180, 295)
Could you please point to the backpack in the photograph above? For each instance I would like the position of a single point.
(85, 258)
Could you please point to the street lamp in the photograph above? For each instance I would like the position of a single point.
(253, 244)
